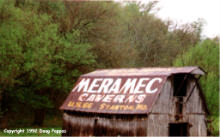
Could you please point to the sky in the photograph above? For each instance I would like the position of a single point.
(186, 11)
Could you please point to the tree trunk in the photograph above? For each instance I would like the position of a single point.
(39, 117)
(3, 110)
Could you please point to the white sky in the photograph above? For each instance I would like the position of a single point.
(186, 11)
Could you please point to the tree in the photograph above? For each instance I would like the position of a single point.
(156, 42)
(36, 60)
(100, 24)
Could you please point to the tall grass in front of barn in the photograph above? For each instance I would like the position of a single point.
(206, 55)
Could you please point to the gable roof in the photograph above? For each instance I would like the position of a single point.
(154, 71)
(121, 91)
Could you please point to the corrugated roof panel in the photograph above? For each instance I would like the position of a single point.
(146, 71)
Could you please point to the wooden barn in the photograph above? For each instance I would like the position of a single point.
(137, 102)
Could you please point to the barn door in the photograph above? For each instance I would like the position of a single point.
(178, 129)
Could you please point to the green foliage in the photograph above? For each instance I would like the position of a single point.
(157, 42)
(215, 125)
(100, 23)
(35, 59)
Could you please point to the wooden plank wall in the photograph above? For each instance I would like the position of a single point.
(164, 103)
(158, 125)
(198, 127)
(95, 125)
(77, 126)
(194, 105)
(195, 112)
(164, 111)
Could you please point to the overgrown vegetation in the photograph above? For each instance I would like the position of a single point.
(46, 45)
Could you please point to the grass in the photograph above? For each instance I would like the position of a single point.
(215, 125)
(32, 132)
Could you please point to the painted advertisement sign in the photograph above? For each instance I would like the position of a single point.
(121, 95)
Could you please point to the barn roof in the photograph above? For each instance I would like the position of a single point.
(121, 91)
(154, 71)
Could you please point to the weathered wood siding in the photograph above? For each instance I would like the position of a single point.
(158, 119)
(105, 125)
(194, 105)
(158, 125)
(198, 125)
(163, 105)
(77, 126)
(164, 111)
(195, 112)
